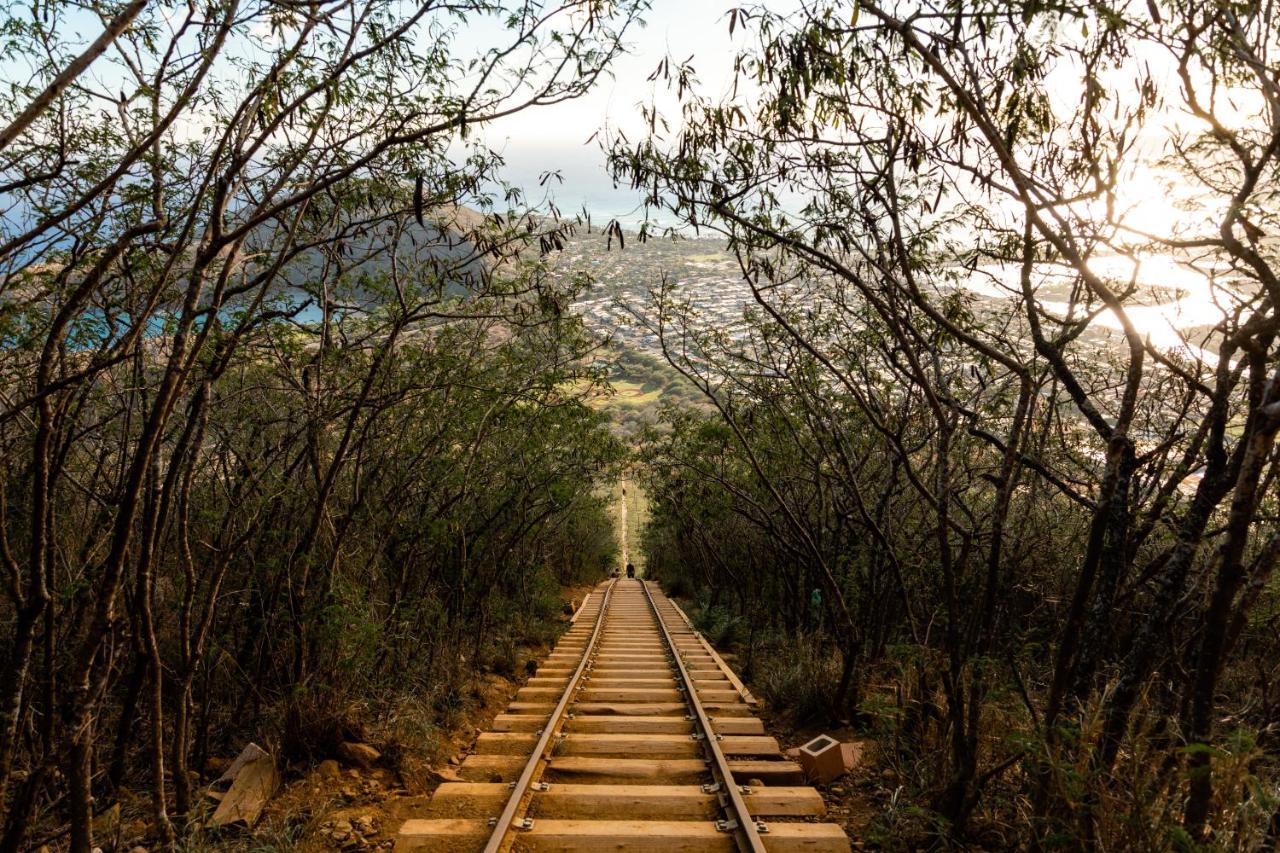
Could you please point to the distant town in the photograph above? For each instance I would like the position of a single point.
(701, 271)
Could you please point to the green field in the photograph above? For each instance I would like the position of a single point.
(631, 394)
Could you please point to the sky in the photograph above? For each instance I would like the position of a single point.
(556, 138)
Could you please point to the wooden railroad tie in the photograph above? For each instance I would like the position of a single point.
(634, 735)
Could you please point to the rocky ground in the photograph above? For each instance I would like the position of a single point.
(853, 799)
(357, 799)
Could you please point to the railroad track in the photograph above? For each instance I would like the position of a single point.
(633, 735)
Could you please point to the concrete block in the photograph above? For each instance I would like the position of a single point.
(822, 759)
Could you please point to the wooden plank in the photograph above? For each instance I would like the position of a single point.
(565, 800)
(628, 724)
(634, 802)
(505, 743)
(750, 745)
(442, 834)
(809, 837)
(545, 694)
(629, 682)
(589, 693)
(657, 836)
(624, 642)
(505, 768)
(720, 683)
(630, 709)
(628, 659)
(641, 836)
(718, 696)
(717, 708)
(785, 801)
(465, 800)
(736, 708)
(737, 726)
(631, 672)
(672, 770)
(630, 745)
(627, 694)
(491, 768)
(568, 800)
(519, 722)
(769, 772)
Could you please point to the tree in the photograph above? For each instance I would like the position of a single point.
(198, 194)
(936, 206)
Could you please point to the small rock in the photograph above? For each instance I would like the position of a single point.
(453, 759)
(755, 783)
(329, 769)
(888, 774)
(359, 754)
(243, 790)
(138, 849)
(365, 824)
(439, 777)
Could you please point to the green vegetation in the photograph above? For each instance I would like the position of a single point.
(959, 487)
(633, 395)
(640, 385)
(302, 432)
(287, 450)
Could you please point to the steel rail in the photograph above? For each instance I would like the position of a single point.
(746, 830)
(522, 786)
(720, 664)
